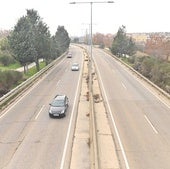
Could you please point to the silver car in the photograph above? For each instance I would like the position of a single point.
(75, 67)
(58, 106)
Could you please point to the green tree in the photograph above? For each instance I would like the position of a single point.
(131, 47)
(161, 74)
(54, 48)
(30, 39)
(147, 66)
(34, 19)
(62, 39)
(21, 42)
(43, 42)
(122, 44)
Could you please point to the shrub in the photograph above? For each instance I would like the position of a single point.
(158, 71)
(8, 80)
(6, 59)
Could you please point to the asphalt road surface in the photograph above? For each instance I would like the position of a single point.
(29, 138)
(140, 120)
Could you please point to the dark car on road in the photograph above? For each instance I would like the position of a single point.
(58, 106)
(69, 55)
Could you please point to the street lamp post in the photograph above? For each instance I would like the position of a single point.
(96, 162)
(91, 18)
(91, 21)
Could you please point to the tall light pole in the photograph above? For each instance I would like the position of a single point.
(91, 18)
(96, 161)
(91, 23)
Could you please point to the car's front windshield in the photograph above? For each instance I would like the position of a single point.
(57, 103)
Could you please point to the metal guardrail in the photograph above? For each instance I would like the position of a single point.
(163, 92)
(14, 93)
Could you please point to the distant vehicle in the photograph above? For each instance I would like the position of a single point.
(69, 55)
(59, 106)
(75, 67)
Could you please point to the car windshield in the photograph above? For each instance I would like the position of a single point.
(75, 64)
(57, 103)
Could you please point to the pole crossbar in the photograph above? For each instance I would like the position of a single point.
(89, 2)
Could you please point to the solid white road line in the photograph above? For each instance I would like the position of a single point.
(151, 124)
(25, 94)
(114, 123)
(138, 79)
(70, 124)
(145, 86)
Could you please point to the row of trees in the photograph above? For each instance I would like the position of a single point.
(120, 44)
(104, 41)
(31, 40)
(28, 42)
(159, 46)
(156, 45)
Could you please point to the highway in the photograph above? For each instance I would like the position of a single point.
(140, 120)
(29, 138)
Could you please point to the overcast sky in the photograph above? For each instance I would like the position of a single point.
(136, 15)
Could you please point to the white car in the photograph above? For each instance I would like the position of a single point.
(75, 67)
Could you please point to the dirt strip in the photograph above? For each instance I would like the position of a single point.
(82, 157)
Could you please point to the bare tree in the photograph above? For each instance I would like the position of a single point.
(159, 46)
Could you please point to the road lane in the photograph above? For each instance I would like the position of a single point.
(137, 114)
(28, 137)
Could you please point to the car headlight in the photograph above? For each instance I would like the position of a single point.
(62, 111)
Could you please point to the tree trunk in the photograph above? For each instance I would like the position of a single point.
(37, 64)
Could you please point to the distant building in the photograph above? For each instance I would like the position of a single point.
(141, 38)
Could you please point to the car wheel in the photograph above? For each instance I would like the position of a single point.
(50, 115)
